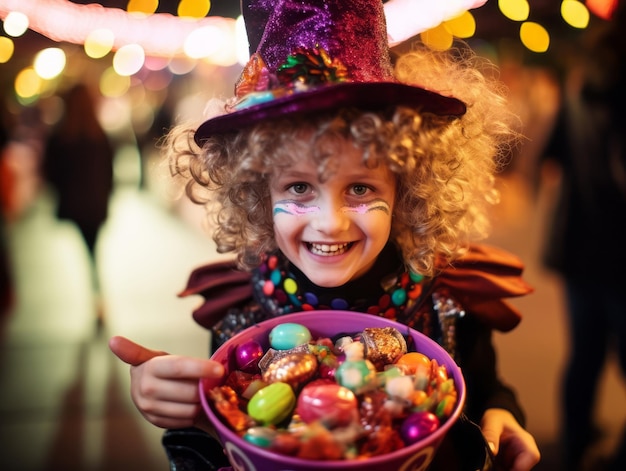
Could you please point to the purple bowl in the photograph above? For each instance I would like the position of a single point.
(247, 457)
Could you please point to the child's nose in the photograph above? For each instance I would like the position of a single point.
(332, 219)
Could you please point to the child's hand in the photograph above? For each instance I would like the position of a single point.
(165, 387)
(514, 447)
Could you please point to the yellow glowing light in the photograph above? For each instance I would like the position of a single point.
(112, 84)
(129, 59)
(534, 36)
(438, 38)
(463, 26)
(15, 23)
(147, 7)
(7, 48)
(49, 62)
(28, 83)
(575, 13)
(516, 10)
(194, 8)
(99, 43)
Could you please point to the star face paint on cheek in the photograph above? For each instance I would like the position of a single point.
(364, 208)
(293, 208)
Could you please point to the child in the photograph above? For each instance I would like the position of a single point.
(347, 177)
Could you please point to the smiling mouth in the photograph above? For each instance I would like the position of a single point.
(328, 250)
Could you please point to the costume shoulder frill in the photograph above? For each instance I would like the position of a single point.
(481, 281)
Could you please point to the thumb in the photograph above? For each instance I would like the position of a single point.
(492, 431)
(131, 352)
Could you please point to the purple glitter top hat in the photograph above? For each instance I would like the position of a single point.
(315, 55)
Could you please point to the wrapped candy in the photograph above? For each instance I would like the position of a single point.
(362, 395)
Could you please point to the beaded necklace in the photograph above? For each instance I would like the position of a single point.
(281, 288)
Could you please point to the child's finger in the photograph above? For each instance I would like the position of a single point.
(131, 352)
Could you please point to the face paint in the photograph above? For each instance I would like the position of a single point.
(293, 208)
(364, 208)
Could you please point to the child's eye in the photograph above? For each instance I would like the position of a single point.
(359, 190)
(299, 188)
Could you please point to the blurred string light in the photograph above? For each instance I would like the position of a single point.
(603, 8)
(28, 85)
(159, 34)
(129, 59)
(15, 24)
(141, 39)
(534, 36)
(7, 47)
(516, 10)
(193, 8)
(145, 7)
(408, 18)
(49, 62)
(441, 37)
(99, 43)
(575, 13)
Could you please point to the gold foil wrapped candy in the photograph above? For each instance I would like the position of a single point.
(383, 345)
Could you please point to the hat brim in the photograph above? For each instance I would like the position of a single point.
(365, 95)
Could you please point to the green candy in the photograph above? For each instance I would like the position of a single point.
(272, 404)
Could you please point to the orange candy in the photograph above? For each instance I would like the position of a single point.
(414, 361)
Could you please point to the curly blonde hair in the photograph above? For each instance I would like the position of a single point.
(445, 167)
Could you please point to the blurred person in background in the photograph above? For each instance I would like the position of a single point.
(585, 245)
(78, 164)
(6, 183)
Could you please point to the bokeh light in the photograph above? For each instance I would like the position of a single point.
(194, 8)
(516, 10)
(99, 43)
(603, 8)
(147, 7)
(15, 24)
(7, 48)
(28, 83)
(575, 13)
(129, 59)
(438, 38)
(204, 42)
(534, 36)
(112, 84)
(181, 66)
(50, 62)
(241, 40)
(463, 26)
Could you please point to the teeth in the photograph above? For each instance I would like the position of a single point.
(326, 249)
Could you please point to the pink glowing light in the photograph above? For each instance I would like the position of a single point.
(160, 34)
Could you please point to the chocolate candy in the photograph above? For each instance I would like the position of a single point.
(383, 345)
(294, 369)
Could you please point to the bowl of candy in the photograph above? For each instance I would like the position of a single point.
(333, 390)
